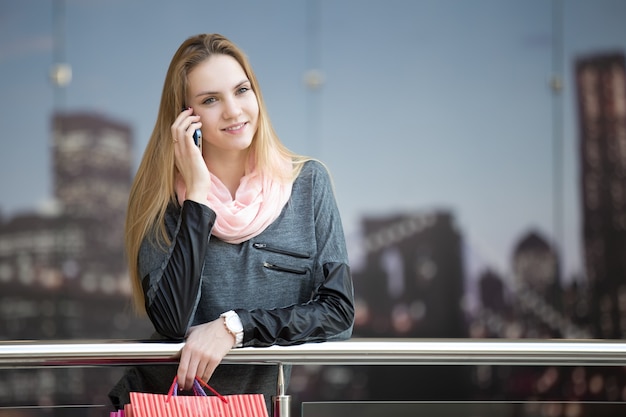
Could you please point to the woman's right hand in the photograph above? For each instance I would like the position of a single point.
(205, 347)
(188, 156)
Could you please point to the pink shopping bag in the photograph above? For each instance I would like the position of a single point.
(200, 405)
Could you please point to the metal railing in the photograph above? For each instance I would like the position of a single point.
(25, 354)
(28, 354)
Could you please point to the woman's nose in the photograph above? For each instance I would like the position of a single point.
(232, 108)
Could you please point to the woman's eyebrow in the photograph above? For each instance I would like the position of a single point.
(210, 93)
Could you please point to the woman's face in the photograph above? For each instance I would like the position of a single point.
(221, 94)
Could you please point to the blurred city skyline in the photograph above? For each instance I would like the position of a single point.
(441, 127)
(456, 96)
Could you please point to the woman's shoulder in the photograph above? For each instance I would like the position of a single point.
(314, 168)
(314, 177)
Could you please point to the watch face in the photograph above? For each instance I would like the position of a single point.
(233, 324)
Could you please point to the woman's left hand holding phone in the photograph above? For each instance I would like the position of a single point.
(189, 160)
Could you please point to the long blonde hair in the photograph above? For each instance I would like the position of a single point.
(153, 187)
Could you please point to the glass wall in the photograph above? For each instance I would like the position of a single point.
(478, 150)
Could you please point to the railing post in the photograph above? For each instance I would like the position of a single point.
(281, 403)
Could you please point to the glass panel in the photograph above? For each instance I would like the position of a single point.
(461, 409)
(82, 410)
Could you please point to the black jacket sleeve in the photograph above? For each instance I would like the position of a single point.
(172, 288)
(328, 315)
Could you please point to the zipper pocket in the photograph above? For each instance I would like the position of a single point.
(263, 246)
(283, 268)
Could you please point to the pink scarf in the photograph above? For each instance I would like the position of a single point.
(258, 201)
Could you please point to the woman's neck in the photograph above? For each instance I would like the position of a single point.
(229, 168)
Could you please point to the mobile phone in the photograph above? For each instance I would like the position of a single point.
(197, 138)
(197, 135)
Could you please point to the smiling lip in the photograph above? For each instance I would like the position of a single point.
(235, 128)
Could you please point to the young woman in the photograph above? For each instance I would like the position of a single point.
(235, 243)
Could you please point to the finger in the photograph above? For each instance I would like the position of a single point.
(178, 122)
(208, 371)
(186, 130)
(192, 130)
(181, 124)
(187, 370)
(205, 374)
(192, 371)
(181, 373)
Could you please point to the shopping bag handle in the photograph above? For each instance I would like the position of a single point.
(198, 383)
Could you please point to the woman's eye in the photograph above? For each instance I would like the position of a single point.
(209, 100)
(242, 90)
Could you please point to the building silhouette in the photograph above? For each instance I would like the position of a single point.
(411, 285)
(601, 100)
(494, 316)
(77, 248)
(492, 293)
(538, 292)
(62, 272)
(533, 305)
(412, 281)
(92, 169)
